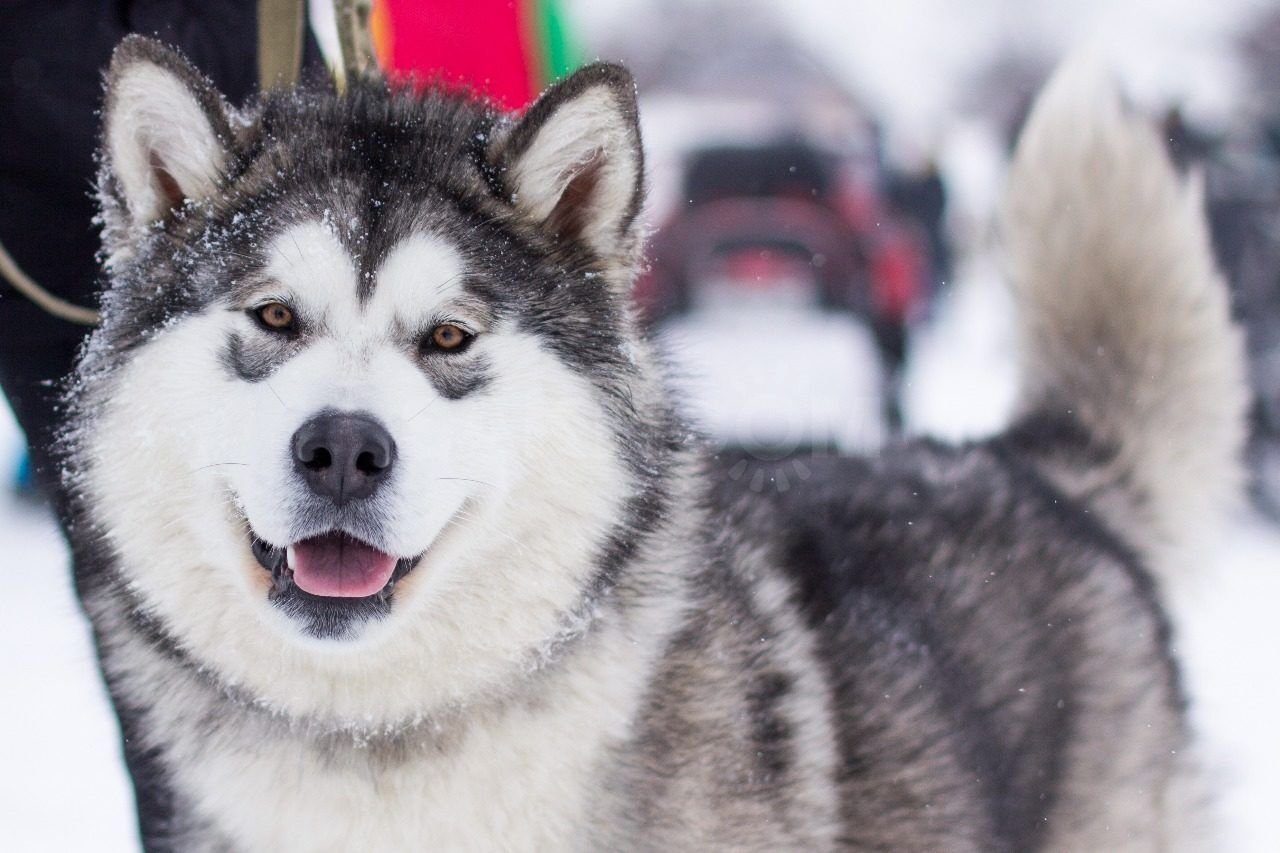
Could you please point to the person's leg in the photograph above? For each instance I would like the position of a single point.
(51, 56)
(52, 53)
(32, 368)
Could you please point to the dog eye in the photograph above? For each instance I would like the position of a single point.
(276, 316)
(449, 338)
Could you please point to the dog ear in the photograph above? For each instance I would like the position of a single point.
(574, 163)
(166, 134)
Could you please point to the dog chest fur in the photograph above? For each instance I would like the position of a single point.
(519, 779)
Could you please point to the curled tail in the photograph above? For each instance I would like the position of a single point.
(1124, 316)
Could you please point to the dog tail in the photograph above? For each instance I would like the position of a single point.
(1134, 392)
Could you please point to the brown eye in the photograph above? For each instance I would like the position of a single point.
(277, 316)
(449, 337)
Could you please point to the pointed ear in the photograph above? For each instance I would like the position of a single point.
(574, 163)
(166, 133)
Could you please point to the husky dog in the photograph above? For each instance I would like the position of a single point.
(392, 539)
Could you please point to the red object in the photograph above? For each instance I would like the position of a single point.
(483, 45)
(897, 271)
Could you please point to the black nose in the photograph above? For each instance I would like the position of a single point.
(343, 456)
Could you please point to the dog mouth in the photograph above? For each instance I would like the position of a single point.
(332, 580)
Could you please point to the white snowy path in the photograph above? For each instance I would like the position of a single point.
(62, 781)
(1230, 638)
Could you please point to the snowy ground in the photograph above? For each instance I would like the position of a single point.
(1230, 640)
(62, 785)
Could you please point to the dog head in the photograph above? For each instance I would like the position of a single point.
(367, 426)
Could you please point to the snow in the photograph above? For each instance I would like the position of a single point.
(913, 59)
(63, 786)
(736, 369)
(960, 376)
(1230, 641)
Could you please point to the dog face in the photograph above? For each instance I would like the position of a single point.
(367, 426)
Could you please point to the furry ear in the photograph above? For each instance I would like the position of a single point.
(574, 162)
(166, 132)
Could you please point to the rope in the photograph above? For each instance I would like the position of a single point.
(280, 28)
(355, 38)
(55, 305)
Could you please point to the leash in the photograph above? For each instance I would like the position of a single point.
(280, 29)
(281, 24)
(355, 39)
(55, 305)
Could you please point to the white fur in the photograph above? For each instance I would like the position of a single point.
(507, 554)
(519, 779)
(1125, 318)
(591, 128)
(154, 114)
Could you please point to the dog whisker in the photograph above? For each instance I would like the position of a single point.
(218, 465)
(275, 394)
(420, 411)
(301, 254)
(448, 281)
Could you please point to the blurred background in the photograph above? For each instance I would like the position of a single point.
(824, 273)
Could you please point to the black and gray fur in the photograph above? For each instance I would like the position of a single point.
(939, 648)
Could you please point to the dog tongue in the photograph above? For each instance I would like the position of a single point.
(337, 566)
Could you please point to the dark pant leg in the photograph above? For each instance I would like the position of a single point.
(52, 54)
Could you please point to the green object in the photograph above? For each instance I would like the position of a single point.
(559, 54)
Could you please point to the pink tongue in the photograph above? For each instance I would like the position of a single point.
(337, 566)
